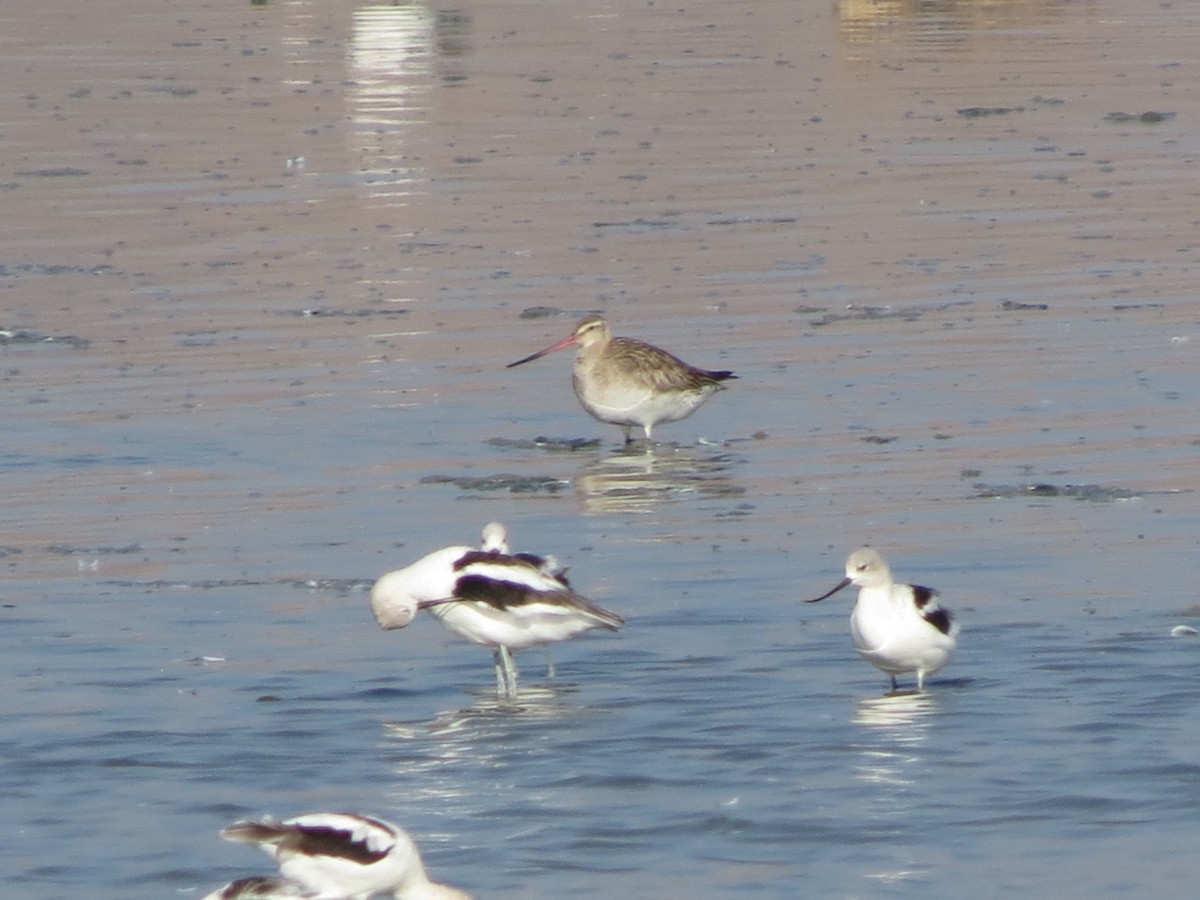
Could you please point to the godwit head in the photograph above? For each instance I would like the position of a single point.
(627, 382)
(898, 628)
(589, 332)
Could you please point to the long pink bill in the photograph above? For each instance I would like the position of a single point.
(568, 341)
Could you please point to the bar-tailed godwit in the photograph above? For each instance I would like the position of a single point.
(627, 382)
(503, 601)
(898, 628)
(343, 855)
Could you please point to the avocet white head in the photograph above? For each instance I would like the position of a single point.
(259, 887)
(495, 540)
(503, 601)
(343, 856)
(898, 628)
(628, 382)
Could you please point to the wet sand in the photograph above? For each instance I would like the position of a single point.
(796, 195)
(264, 266)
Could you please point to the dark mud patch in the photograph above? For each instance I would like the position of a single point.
(24, 336)
(23, 461)
(868, 314)
(74, 550)
(541, 312)
(978, 112)
(326, 312)
(1150, 117)
(1097, 493)
(59, 172)
(642, 225)
(12, 269)
(553, 445)
(865, 314)
(514, 484)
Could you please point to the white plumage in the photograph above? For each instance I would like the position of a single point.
(338, 856)
(491, 597)
(898, 628)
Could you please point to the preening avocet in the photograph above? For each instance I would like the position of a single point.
(503, 601)
(898, 628)
(343, 856)
(259, 887)
(495, 540)
(627, 382)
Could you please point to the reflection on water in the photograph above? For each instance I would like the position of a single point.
(637, 479)
(899, 724)
(903, 717)
(943, 25)
(489, 714)
(892, 766)
(390, 63)
(485, 736)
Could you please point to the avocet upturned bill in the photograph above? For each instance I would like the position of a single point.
(503, 601)
(898, 628)
(627, 382)
(342, 856)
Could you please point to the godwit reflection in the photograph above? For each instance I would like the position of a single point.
(638, 479)
(944, 24)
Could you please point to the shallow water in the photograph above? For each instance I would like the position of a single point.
(263, 268)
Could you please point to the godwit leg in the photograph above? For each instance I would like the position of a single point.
(549, 663)
(628, 437)
(506, 672)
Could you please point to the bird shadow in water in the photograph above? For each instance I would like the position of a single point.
(643, 475)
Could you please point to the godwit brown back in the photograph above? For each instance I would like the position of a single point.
(627, 382)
